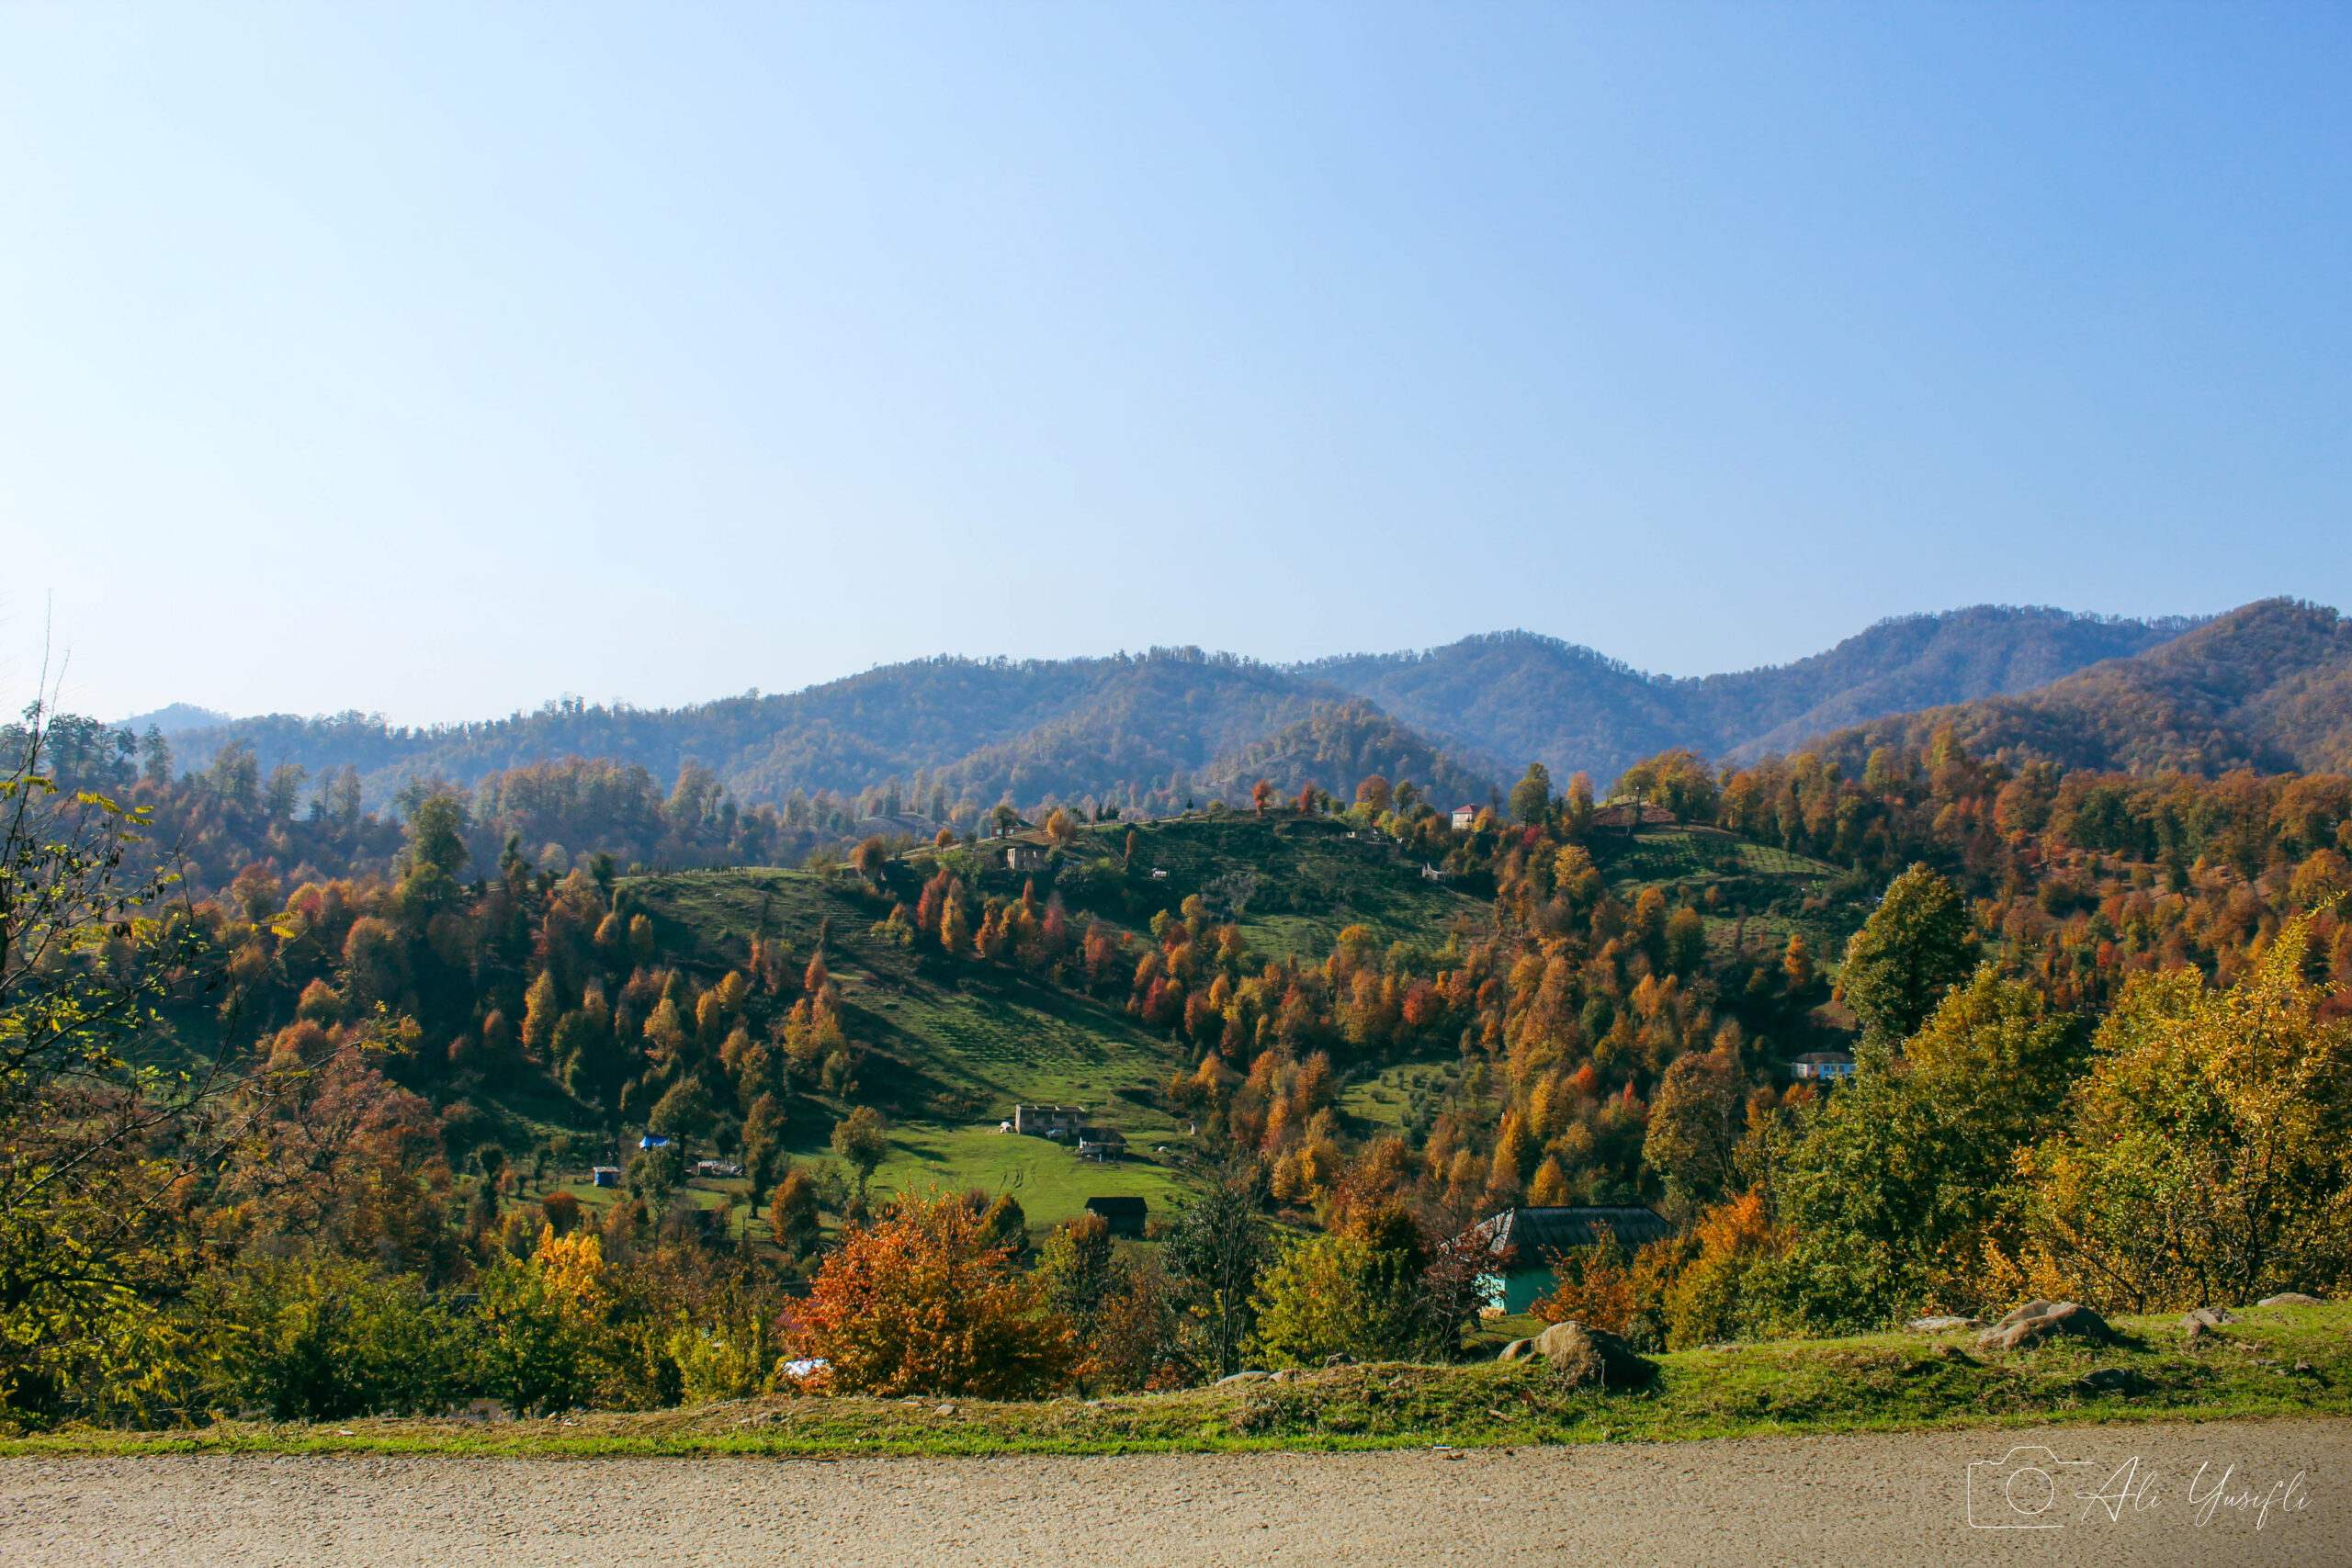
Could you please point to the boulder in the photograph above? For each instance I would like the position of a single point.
(2291, 1299)
(1579, 1356)
(2207, 1317)
(1939, 1325)
(1517, 1350)
(1240, 1377)
(2036, 1322)
(1338, 1359)
(2112, 1379)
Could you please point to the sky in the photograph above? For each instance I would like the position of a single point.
(435, 360)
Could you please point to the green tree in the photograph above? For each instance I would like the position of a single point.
(1218, 1246)
(1918, 944)
(103, 1115)
(1904, 1177)
(1362, 1291)
(1531, 797)
(684, 1110)
(436, 853)
(861, 1139)
(320, 1338)
(434, 834)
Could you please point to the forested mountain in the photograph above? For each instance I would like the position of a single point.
(1513, 697)
(2267, 687)
(1147, 732)
(1345, 741)
(933, 731)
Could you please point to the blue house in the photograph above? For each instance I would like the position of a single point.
(1522, 1244)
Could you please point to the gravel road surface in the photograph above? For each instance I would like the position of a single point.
(2236, 1494)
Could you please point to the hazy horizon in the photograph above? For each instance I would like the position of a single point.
(434, 361)
(1302, 665)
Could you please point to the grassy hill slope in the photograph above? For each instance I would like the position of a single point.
(949, 1048)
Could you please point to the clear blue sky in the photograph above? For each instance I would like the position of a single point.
(438, 359)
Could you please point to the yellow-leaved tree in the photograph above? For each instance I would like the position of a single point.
(2209, 1156)
(544, 1319)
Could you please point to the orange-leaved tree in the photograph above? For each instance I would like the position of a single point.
(925, 1301)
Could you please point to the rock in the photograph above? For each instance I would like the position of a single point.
(2208, 1318)
(1338, 1359)
(2035, 1322)
(1580, 1356)
(942, 1410)
(1240, 1377)
(2112, 1379)
(1285, 1375)
(1939, 1325)
(2196, 1332)
(2291, 1299)
(1517, 1350)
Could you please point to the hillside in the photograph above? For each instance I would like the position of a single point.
(1514, 696)
(1147, 732)
(969, 726)
(2267, 687)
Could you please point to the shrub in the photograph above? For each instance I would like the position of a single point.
(920, 1301)
(315, 1338)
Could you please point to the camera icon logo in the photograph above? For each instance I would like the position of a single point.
(2023, 1489)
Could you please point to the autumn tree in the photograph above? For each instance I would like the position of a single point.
(793, 1220)
(543, 1320)
(1262, 795)
(2209, 1156)
(1696, 1120)
(105, 1125)
(921, 1303)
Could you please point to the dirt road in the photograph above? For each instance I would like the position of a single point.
(2233, 1494)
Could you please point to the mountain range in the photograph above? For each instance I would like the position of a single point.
(2266, 685)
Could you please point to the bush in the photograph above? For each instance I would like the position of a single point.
(324, 1338)
(920, 1301)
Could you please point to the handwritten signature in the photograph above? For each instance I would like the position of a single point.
(2025, 1488)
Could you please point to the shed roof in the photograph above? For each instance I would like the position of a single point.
(1535, 1234)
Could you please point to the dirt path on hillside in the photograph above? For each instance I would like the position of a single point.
(1901, 1499)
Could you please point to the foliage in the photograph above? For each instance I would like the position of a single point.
(104, 1128)
(920, 1302)
(1215, 1252)
(1902, 1180)
(2208, 1158)
(315, 1338)
(1369, 1290)
(544, 1322)
(1918, 944)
